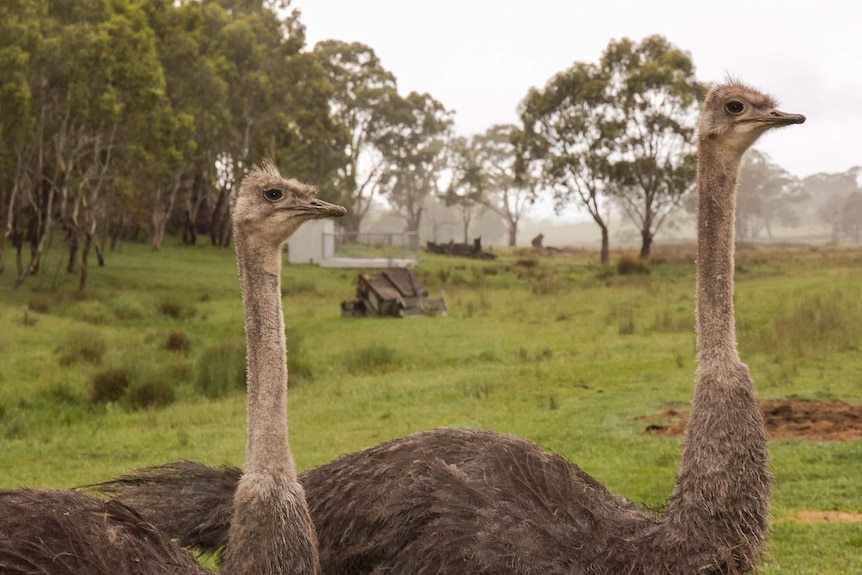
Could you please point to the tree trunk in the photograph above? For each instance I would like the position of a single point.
(646, 244)
(350, 225)
(38, 245)
(216, 219)
(513, 234)
(160, 222)
(606, 246)
(18, 244)
(88, 242)
(72, 243)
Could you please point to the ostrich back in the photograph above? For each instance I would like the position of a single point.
(67, 533)
(464, 501)
(441, 501)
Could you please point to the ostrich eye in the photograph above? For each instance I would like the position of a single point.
(273, 194)
(734, 107)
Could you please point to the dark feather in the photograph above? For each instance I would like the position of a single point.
(66, 533)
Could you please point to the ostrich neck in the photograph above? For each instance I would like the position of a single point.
(260, 279)
(716, 331)
(719, 510)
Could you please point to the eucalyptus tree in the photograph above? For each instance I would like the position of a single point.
(278, 101)
(413, 142)
(767, 194)
(363, 94)
(827, 194)
(115, 83)
(851, 217)
(21, 42)
(467, 184)
(191, 120)
(92, 77)
(512, 178)
(570, 128)
(654, 87)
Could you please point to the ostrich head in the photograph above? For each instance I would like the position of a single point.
(738, 115)
(271, 208)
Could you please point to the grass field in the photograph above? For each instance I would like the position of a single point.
(146, 367)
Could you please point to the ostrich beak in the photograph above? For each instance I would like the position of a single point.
(317, 208)
(778, 118)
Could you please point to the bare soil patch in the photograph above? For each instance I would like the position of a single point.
(827, 517)
(785, 419)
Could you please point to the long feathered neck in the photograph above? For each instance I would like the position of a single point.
(718, 513)
(716, 329)
(260, 281)
(271, 530)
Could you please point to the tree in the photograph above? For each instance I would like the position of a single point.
(466, 189)
(828, 193)
(767, 193)
(512, 178)
(851, 216)
(22, 24)
(363, 92)
(653, 84)
(413, 143)
(570, 126)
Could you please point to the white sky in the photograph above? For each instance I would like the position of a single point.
(479, 57)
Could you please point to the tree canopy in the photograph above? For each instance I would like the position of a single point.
(133, 118)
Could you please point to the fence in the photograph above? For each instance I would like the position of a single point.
(372, 246)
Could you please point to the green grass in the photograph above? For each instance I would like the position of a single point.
(553, 348)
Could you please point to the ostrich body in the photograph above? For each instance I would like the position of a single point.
(270, 533)
(470, 501)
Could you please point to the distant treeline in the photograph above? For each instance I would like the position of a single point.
(131, 119)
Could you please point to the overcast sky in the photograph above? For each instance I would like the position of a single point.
(479, 57)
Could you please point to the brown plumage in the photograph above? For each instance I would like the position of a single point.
(66, 533)
(470, 501)
(270, 530)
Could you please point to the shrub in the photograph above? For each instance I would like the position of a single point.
(221, 369)
(108, 385)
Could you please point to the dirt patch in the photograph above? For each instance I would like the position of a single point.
(827, 517)
(785, 419)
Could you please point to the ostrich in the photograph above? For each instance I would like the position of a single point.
(472, 501)
(44, 531)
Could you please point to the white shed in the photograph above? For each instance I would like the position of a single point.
(312, 243)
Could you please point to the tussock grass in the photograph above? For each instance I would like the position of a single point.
(109, 385)
(176, 310)
(629, 265)
(372, 359)
(150, 395)
(818, 325)
(221, 369)
(82, 346)
(178, 340)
